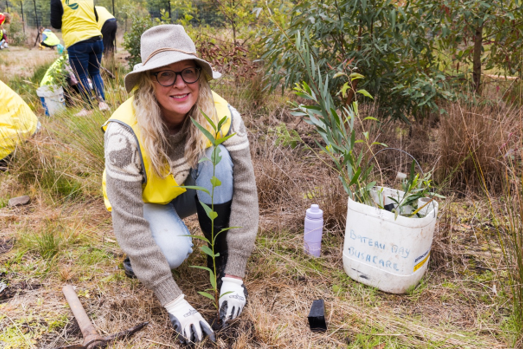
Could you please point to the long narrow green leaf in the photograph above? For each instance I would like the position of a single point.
(210, 121)
(203, 238)
(206, 133)
(207, 250)
(205, 294)
(194, 187)
(200, 267)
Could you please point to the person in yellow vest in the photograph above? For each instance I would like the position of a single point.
(17, 122)
(49, 39)
(108, 26)
(83, 40)
(151, 149)
(3, 39)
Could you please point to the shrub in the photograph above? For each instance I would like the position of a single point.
(131, 39)
(16, 31)
(387, 43)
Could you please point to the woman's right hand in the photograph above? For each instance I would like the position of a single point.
(188, 322)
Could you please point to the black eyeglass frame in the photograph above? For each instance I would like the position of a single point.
(176, 73)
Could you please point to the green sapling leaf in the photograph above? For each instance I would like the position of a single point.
(223, 139)
(215, 156)
(225, 294)
(215, 181)
(198, 237)
(206, 133)
(212, 279)
(200, 267)
(222, 121)
(205, 294)
(194, 187)
(207, 251)
(203, 160)
(210, 213)
(209, 120)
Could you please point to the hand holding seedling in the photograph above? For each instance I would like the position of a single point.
(188, 322)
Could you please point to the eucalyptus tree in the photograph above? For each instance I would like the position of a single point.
(388, 42)
(481, 33)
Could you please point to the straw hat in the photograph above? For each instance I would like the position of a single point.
(163, 45)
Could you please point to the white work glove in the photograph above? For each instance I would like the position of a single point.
(232, 303)
(188, 322)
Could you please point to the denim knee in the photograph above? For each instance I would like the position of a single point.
(176, 254)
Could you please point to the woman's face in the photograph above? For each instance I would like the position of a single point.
(176, 100)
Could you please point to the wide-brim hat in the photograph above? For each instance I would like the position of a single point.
(163, 45)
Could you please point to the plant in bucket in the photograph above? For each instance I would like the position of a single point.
(384, 249)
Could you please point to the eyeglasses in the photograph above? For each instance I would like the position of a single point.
(167, 78)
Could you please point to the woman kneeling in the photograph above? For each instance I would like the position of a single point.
(151, 149)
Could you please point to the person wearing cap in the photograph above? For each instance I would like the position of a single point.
(83, 40)
(108, 26)
(151, 149)
(49, 39)
(5, 18)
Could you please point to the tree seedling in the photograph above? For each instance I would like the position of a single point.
(209, 249)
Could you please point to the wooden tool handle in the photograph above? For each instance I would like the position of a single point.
(86, 326)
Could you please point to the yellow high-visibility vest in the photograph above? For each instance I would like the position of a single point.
(51, 39)
(103, 16)
(78, 21)
(158, 190)
(17, 121)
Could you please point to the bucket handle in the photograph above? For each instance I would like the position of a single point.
(406, 153)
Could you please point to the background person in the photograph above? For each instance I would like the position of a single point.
(3, 39)
(108, 26)
(61, 74)
(49, 39)
(5, 18)
(17, 122)
(83, 41)
(151, 147)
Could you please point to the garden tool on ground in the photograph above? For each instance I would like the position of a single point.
(92, 339)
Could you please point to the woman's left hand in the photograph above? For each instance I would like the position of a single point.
(233, 296)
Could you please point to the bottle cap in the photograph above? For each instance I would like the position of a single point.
(314, 212)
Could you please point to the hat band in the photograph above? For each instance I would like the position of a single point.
(166, 49)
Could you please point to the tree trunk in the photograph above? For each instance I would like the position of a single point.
(478, 45)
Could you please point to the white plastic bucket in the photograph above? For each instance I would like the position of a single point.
(52, 98)
(385, 252)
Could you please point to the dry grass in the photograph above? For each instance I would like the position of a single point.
(459, 303)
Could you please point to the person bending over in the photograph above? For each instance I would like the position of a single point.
(49, 39)
(152, 148)
(83, 41)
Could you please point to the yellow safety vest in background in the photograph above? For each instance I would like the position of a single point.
(78, 21)
(47, 79)
(158, 190)
(17, 121)
(51, 39)
(103, 16)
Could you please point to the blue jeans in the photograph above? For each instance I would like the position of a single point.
(165, 221)
(85, 59)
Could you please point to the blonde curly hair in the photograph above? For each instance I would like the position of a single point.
(154, 132)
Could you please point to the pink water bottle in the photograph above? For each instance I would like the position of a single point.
(313, 230)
